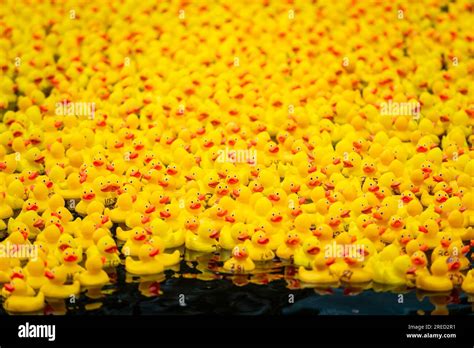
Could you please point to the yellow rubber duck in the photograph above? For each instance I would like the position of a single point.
(87, 198)
(319, 273)
(288, 248)
(166, 259)
(438, 280)
(306, 253)
(138, 237)
(94, 275)
(20, 299)
(230, 236)
(206, 239)
(240, 261)
(69, 262)
(468, 283)
(107, 249)
(356, 272)
(258, 247)
(34, 271)
(124, 207)
(56, 286)
(85, 238)
(5, 210)
(172, 239)
(147, 264)
(430, 234)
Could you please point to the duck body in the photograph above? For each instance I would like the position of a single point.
(94, 275)
(438, 280)
(24, 304)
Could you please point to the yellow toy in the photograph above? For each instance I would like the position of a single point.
(438, 280)
(20, 299)
(291, 244)
(147, 264)
(166, 259)
(320, 272)
(430, 234)
(34, 271)
(5, 210)
(258, 247)
(356, 272)
(172, 239)
(138, 237)
(240, 261)
(94, 275)
(123, 209)
(306, 253)
(206, 239)
(468, 283)
(55, 287)
(107, 249)
(69, 260)
(230, 236)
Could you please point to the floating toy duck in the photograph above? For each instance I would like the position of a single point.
(94, 275)
(56, 286)
(20, 299)
(166, 259)
(258, 247)
(438, 280)
(107, 249)
(206, 239)
(289, 247)
(240, 261)
(34, 271)
(172, 239)
(231, 236)
(320, 272)
(147, 264)
(430, 234)
(468, 283)
(138, 237)
(306, 253)
(69, 260)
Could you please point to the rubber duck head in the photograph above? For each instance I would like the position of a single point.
(207, 231)
(240, 232)
(170, 211)
(396, 222)
(260, 238)
(65, 241)
(191, 223)
(106, 245)
(57, 275)
(138, 235)
(311, 246)
(292, 239)
(415, 245)
(446, 240)
(240, 252)
(418, 260)
(430, 227)
(17, 287)
(147, 252)
(33, 220)
(70, 256)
